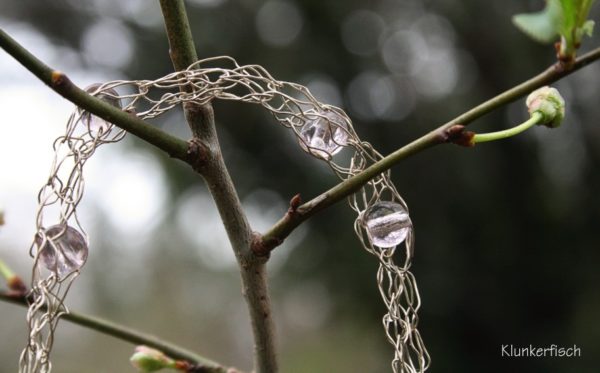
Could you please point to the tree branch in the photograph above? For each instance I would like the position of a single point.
(182, 49)
(252, 267)
(212, 167)
(61, 84)
(286, 225)
(130, 335)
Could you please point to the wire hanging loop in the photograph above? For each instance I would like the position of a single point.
(60, 244)
(322, 131)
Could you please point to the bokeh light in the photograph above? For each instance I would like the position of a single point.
(361, 32)
(108, 43)
(279, 22)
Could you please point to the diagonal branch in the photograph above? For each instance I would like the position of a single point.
(62, 85)
(286, 225)
(130, 335)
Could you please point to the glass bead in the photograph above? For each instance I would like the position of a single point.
(387, 224)
(65, 249)
(324, 134)
(97, 125)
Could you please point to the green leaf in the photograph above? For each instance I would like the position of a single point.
(584, 10)
(564, 18)
(541, 26)
(574, 15)
(588, 28)
(569, 19)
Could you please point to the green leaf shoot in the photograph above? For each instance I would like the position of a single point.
(563, 20)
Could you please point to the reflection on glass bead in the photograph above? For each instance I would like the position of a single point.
(65, 249)
(324, 134)
(387, 224)
(96, 124)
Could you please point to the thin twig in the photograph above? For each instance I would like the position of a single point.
(212, 167)
(286, 225)
(130, 335)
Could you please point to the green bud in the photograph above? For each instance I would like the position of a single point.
(549, 103)
(146, 359)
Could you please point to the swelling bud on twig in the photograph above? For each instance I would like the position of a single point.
(549, 103)
(146, 359)
(546, 107)
(14, 282)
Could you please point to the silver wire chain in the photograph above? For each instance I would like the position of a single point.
(293, 106)
(57, 206)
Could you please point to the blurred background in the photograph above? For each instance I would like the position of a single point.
(507, 233)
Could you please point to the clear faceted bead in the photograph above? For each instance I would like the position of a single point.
(387, 224)
(96, 124)
(65, 249)
(324, 134)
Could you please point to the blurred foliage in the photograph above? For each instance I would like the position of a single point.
(565, 18)
(507, 233)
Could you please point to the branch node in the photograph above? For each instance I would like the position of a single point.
(16, 285)
(197, 154)
(262, 247)
(58, 78)
(457, 135)
(565, 62)
(187, 367)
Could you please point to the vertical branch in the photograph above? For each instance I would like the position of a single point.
(205, 148)
(182, 49)
(252, 267)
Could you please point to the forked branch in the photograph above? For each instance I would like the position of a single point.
(201, 121)
(286, 225)
(264, 243)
